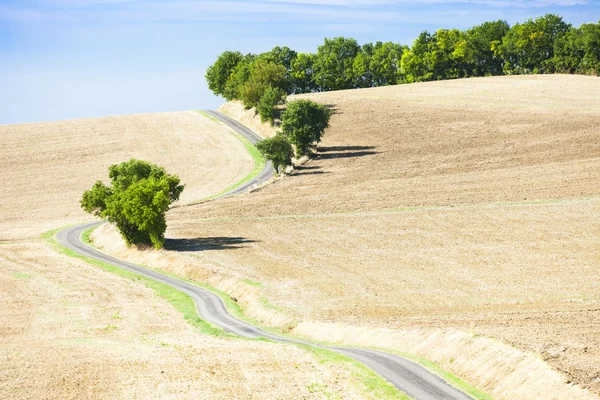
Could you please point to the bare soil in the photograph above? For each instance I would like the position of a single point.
(460, 206)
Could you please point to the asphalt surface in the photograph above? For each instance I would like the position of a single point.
(404, 374)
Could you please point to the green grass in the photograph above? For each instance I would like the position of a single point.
(373, 384)
(207, 115)
(252, 283)
(19, 275)
(85, 235)
(259, 163)
(445, 375)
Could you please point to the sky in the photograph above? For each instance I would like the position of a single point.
(66, 59)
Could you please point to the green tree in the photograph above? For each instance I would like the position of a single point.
(481, 42)
(278, 150)
(218, 73)
(271, 98)
(415, 62)
(263, 74)
(361, 67)
(529, 47)
(333, 67)
(136, 202)
(304, 122)
(302, 74)
(578, 50)
(385, 63)
(238, 77)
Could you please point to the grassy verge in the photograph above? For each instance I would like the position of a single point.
(207, 115)
(373, 384)
(259, 163)
(447, 376)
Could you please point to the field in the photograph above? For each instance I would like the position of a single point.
(459, 209)
(45, 167)
(70, 330)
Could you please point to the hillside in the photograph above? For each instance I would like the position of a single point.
(69, 330)
(445, 210)
(45, 167)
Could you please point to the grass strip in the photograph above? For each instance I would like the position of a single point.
(373, 384)
(445, 375)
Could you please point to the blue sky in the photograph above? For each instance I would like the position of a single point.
(64, 59)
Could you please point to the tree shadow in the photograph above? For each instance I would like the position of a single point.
(209, 243)
(327, 149)
(308, 170)
(333, 109)
(330, 152)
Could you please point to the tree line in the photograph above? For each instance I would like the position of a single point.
(543, 45)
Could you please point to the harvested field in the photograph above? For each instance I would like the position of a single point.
(45, 167)
(459, 206)
(70, 331)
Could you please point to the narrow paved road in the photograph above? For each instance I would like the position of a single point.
(404, 374)
(266, 173)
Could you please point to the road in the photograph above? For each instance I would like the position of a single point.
(404, 374)
(266, 173)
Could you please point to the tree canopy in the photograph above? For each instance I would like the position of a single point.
(543, 45)
(303, 123)
(136, 201)
(278, 150)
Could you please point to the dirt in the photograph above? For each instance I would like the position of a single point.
(462, 206)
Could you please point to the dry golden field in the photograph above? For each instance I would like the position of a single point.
(69, 330)
(72, 331)
(465, 207)
(45, 167)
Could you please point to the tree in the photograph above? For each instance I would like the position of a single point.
(529, 47)
(385, 63)
(481, 42)
(361, 67)
(302, 74)
(238, 77)
(578, 50)
(136, 202)
(334, 62)
(415, 63)
(218, 73)
(271, 98)
(303, 123)
(263, 74)
(278, 150)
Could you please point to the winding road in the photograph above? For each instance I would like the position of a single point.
(407, 376)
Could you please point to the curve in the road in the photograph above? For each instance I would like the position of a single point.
(407, 376)
(266, 173)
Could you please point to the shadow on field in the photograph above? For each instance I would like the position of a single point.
(308, 170)
(333, 109)
(210, 243)
(344, 152)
